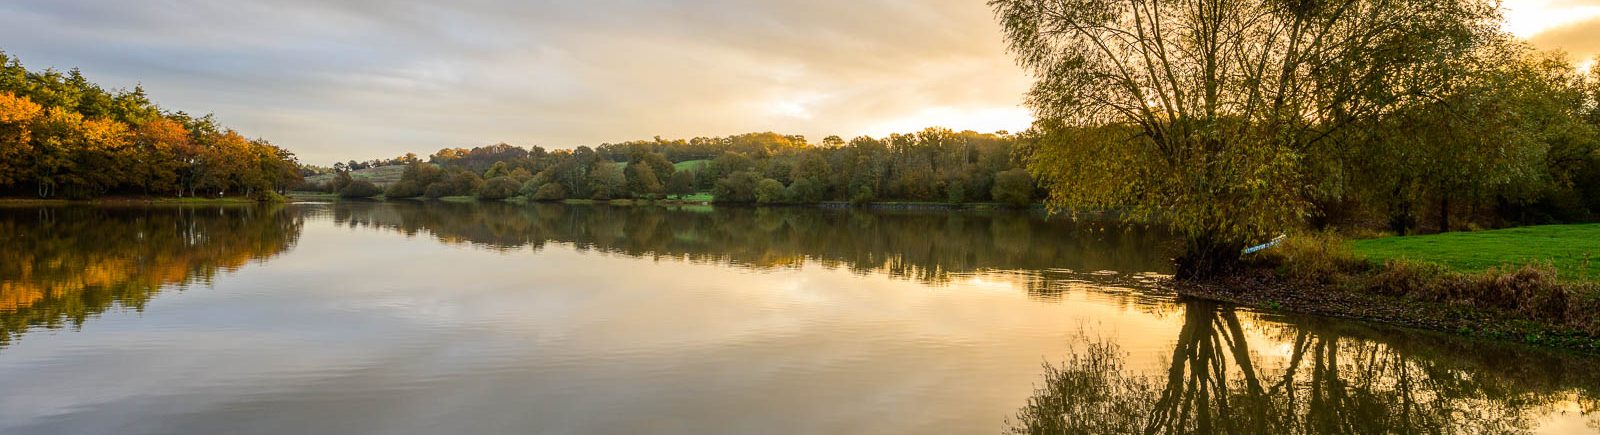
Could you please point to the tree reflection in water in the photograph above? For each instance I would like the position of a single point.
(932, 247)
(1331, 377)
(63, 265)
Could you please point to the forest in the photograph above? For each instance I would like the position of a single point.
(933, 165)
(62, 136)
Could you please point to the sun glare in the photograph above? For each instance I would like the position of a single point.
(1527, 18)
(979, 119)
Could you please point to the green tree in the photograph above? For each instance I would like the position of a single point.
(1013, 187)
(681, 184)
(770, 191)
(360, 189)
(499, 188)
(736, 188)
(1199, 113)
(606, 181)
(550, 192)
(642, 180)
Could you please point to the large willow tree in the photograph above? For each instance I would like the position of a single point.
(1201, 113)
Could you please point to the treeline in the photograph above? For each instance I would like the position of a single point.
(63, 136)
(935, 164)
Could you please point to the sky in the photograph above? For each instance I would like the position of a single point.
(338, 80)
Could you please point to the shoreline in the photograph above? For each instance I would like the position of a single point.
(1262, 289)
(623, 202)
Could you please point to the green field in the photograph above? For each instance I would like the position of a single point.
(697, 197)
(381, 176)
(691, 165)
(1570, 248)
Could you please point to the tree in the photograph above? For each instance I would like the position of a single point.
(16, 118)
(1199, 113)
(606, 181)
(642, 180)
(499, 188)
(415, 180)
(465, 184)
(805, 191)
(1507, 131)
(438, 189)
(360, 189)
(550, 192)
(737, 187)
(681, 184)
(1013, 187)
(770, 191)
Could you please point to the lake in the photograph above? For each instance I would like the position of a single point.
(436, 318)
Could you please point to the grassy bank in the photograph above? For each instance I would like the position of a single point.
(1568, 248)
(1493, 284)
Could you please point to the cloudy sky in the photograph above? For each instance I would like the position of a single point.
(359, 79)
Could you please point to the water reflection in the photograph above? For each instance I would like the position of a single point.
(929, 246)
(1313, 376)
(63, 265)
(498, 318)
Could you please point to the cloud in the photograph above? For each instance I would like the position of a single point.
(1581, 39)
(365, 78)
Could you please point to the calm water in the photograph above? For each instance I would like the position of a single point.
(459, 318)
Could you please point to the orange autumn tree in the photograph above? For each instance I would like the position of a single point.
(63, 136)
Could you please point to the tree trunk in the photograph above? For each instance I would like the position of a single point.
(1205, 257)
(1444, 213)
(1400, 218)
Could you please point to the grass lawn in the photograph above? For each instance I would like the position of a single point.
(382, 175)
(691, 165)
(698, 197)
(1569, 247)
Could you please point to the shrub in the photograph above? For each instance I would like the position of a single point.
(737, 187)
(360, 189)
(1013, 187)
(862, 196)
(404, 189)
(499, 188)
(1322, 258)
(805, 190)
(1532, 291)
(550, 192)
(1413, 279)
(769, 191)
(438, 189)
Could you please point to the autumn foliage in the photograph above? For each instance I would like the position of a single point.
(62, 136)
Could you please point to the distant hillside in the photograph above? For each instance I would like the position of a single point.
(381, 176)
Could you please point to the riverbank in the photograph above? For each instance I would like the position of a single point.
(1519, 298)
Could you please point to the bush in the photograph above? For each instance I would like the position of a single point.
(404, 189)
(738, 187)
(438, 189)
(805, 190)
(1322, 258)
(862, 196)
(1013, 187)
(360, 189)
(550, 192)
(499, 188)
(681, 183)
(769, 191)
